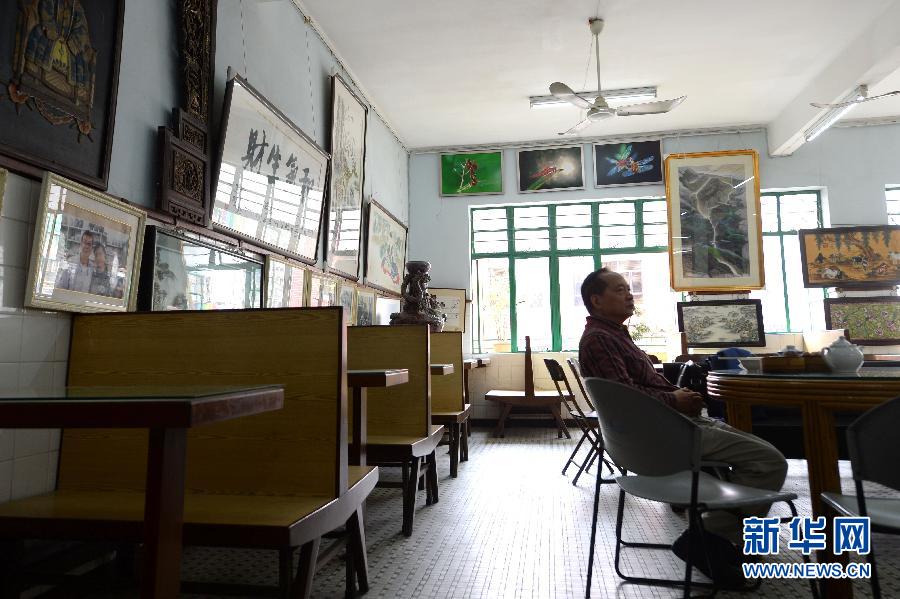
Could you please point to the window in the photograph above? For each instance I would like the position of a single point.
(787, 305)
(892, 194)
(528, 263)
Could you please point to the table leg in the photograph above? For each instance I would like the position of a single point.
(455, 429)
(358, 449)
(739, 416)
(164, 513)
(501, 423)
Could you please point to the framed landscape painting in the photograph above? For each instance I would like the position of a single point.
(715, 231)
(87, 250)
(473, 173)
(452, 303)
(853, 257)
(385, 250)
(285, 284)
(271, 176)
(365, 307)
(347, 299)
(550, 169)
(634, 163)
(345, 186)
(722, 323)
(870, 320)
(59, 66)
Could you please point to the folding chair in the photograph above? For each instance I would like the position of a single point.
(662, 449)
(874, 455)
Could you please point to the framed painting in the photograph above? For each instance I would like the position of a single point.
(270, 176)
(345, 187)
(634, 163)
(365, 307)
(852, 257)
(870, 320)
(715, 231)
(285, 284)
(452, 302)
(385, 250)
(550, 169)
(722, 323)
(87, 250)
(60, 73)
(384, 307)
(184, 271)
(322, 290)
(472, 173)
(346, 298)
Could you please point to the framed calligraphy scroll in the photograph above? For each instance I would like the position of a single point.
(271, 176)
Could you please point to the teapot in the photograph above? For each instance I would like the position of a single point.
(843, 357)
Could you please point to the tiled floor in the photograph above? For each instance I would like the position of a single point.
(512, 526)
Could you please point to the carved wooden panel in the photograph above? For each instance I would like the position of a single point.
(184, 189)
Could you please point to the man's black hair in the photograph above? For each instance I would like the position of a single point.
(594, 284)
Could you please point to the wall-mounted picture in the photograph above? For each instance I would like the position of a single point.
(87, 250)
(722, 323)
(183, 271)
(452, 303)
(870, 320)
(285, 284)
(59, 65)
(472, 173)
(271, 176)
(347, 300)
(715, 233)
(384, 307)
(550, 169)
(857, 257)
(322, 290)
(345, 187)
(632, 163)
(365, 307)
(385, 250)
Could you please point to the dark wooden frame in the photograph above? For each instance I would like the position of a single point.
(519, 186)
(832, 301)
(392, 292)
(332, 177)
(658, 154)
(465, 305)
(223, 129)
(740, 302)
(803, 233)
(23, 162)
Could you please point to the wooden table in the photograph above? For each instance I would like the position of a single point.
(359, 381)
(168, 413)
(819, 396)
(470, 364)
(441, 369)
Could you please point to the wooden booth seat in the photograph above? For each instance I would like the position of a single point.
(278, 480)
(448, 404)
(399, 427)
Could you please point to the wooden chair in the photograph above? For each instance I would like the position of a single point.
(528, 398)
(400, 429)
(448, 405)
(278, 480)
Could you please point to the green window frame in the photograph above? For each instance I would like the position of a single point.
(892, 199)
(641, 209)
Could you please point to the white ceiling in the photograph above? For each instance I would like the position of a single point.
(460, 72)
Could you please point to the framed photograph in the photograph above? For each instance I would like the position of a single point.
(385, 250)
(365, 307)
(346, 298)
(634, 163)
(60, 71)
(550, 169)
(852, 257)
(452, 302)
(345, 187)
(183, 271)
(472, 173)
(384, 307)
(720, 323)
(870, 320)
(715, 231)
(285, 284)
(87, 250)
(270, 176)
(322, 290)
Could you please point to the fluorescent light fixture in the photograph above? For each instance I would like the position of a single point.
(833, 115)
(631, 94)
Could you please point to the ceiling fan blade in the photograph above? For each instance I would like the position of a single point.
(852, 102)
(657, 107)
(564, 92)
(578, 127)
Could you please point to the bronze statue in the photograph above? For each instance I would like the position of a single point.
(419, 306)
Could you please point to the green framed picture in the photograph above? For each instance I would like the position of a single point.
(473, 173)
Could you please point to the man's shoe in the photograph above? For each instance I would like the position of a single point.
(721, 562)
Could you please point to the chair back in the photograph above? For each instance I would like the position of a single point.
(873, 446)
(447, 391)
(640, 433)
(575, 367)
(558, 375)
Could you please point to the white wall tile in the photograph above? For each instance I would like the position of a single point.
(39, 334)
(14, 246)
(36, 376)
(29, 476)
(6, 469)
(63, 331)
(10, 336)
(31, 441)
(12, 288)
(7, 444)
(9, 377)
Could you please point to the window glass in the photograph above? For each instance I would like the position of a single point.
(572, 271)
(573, 215)
(573, 239)
(769, 213)
(533, 303)
(617, 237)
(806, 306)
(774, 315)
(535, 240)
(531, 218)
(490, 242)
(493, 303)
(489, 219)
(798, 212)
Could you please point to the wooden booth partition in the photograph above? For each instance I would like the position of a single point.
(448, 405)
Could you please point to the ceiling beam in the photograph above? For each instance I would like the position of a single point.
(868, 59)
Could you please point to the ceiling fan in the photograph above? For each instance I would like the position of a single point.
(599, 109)
(862, 95)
